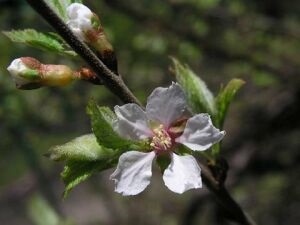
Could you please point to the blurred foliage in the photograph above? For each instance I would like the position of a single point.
(42, 213)
(257, 41)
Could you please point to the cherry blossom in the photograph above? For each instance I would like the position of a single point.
(165, 128)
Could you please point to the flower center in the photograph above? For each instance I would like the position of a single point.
(161, 139)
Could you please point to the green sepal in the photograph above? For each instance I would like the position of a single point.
(199, 97)
(102, 119)
(49, 42)
(32, 75)
(96, 24)
(225, 97)
(83, 148)
(163, 161)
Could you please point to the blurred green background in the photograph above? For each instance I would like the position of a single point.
(256, 40)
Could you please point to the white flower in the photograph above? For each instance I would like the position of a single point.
(17, 69)
(159, 124)
(79, 19)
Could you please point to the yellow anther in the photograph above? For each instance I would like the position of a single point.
(161, 139)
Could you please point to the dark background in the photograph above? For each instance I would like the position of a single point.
(254, 40)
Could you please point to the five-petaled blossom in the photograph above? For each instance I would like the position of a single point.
(165, 128)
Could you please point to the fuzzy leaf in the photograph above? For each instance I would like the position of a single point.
(76, 172)
(199, 97)
(102, 119)
(83, 148)
(60, 6)
(225, 97)
(50, 42)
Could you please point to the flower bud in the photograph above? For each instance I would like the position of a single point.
(29, 73)
(25, 73)
(87, 27)
(80, 20)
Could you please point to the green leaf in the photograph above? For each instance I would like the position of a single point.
(199, 97)
(225, 97)
(76, 172)
(50, 42)
(60, 6)
(102, 119)
(83, 148)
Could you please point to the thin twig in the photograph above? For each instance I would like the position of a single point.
(111, 80)
(231, 208)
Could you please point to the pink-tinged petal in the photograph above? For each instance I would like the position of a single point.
(199, 133)
(166, 104)
(132, 122)
(133, 172)
(182, 174)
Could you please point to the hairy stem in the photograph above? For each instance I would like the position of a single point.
(111, 80)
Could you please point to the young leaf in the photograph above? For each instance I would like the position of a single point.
(44, 41)
(60, 6)
(83, 148)
(225, 97)
(102, 119)
(76, 172)
(199, 97)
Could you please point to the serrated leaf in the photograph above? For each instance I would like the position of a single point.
(102, 119)
(50, 42)
(225, 97)
(83, 148)
(199, 97)
(60, 6)
(76, 172)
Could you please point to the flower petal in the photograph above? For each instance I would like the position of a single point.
(133, 172)
(79, 19)
(132, 122)
(182, 174)
(16, 69)
(199, 133)
(166, 104)
(78, 11)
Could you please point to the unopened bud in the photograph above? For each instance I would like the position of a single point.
(24, 74)
(80, 20)
(87, 27)
(29, 73)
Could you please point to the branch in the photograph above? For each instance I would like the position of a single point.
(111, 80)
(230, 207)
